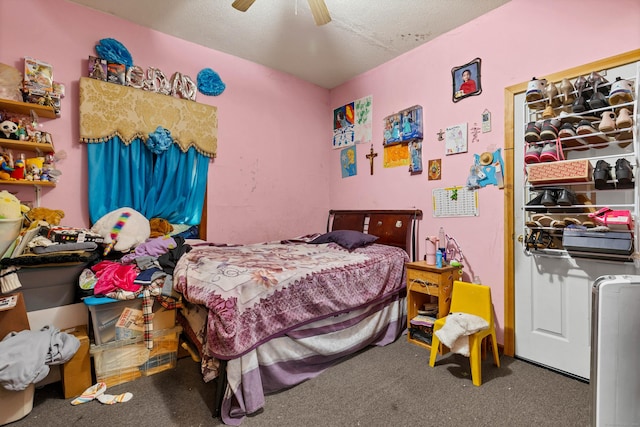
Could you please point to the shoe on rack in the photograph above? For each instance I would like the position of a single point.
(566, 92)
(549, 130)
(568, 134)
(566, 197)
(621, 92)
(598, 98)
(602, 176)
(591, 134)
(624, 123)
(551, 152)
(624, 173)
(535, 205)
(548, 198)
(532, 132)
(551, 94)
(532, 155)
(535, 93)
(608, 122)
(579, 104)
(548, 112)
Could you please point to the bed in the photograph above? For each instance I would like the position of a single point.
(268, 316)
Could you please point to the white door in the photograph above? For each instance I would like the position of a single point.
(553, 291)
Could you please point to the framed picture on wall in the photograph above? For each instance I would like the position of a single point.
(466, 80)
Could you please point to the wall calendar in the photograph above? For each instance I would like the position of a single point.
(455, 201)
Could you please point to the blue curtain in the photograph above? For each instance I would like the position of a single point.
(170, 185)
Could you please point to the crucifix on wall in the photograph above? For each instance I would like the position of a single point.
(371, 156)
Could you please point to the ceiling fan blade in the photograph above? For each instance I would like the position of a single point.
(242, 5)
(319, 11)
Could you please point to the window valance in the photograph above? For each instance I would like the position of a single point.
(108, 110)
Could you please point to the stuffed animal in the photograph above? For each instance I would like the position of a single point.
(122, 229)
(50, 216)
(10, 206)
(5, 167)
(9, 129)
(159, 227)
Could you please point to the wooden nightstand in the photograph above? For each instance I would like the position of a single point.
(428, 284)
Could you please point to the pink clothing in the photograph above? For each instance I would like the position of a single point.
(113, 275)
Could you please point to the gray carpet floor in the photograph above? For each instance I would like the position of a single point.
(381, 386)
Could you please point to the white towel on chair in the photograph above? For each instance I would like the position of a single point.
(456, 330)
(9, 280)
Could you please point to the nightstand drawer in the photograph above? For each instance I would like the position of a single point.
(425, 277)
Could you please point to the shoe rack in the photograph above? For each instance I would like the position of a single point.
(589, 123)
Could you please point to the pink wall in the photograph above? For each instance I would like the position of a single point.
(277, 177)
(271, 175)
(516, 42)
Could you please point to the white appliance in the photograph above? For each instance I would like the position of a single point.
(615, 351)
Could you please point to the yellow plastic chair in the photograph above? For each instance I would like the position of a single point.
(472, 299)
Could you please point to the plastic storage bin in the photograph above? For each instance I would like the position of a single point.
(46, 287)
(105, 312)
(122, 361)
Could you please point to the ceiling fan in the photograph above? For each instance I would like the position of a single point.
(318, 9)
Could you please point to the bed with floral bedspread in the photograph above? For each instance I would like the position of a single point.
(279, 313)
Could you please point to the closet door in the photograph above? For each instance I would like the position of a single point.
(553, 288)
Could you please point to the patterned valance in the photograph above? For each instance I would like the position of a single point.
(108, 109)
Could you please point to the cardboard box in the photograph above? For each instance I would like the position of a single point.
(76, 373)
(563, 171)
(131, 322)
(122, 361)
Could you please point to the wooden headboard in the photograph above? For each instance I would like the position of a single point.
(393, 227)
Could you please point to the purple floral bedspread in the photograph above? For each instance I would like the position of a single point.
(255, 292)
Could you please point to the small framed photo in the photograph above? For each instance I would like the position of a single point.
(466, 80)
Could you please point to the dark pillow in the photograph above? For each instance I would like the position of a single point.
(348, 239)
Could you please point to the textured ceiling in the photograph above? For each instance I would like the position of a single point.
(281, 34)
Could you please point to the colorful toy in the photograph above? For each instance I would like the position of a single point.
(122, 229)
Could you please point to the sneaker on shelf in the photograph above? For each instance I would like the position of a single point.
(624, 173)
(602, 176)
(568, 134)
(549, 130)
(532, 132)
(532, 155)
(551, 152)
(621, 92)
(535, 92)
(591, 135)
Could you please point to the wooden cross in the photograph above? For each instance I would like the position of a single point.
(440, 135)
(371, 156)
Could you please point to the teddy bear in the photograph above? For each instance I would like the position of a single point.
(159, 227)
(41, 214)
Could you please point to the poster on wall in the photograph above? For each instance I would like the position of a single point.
(363, 126)
(396, 155)
(455, 140)
(415, 151)
(343, 127)
(403, 127)
(348, 162)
